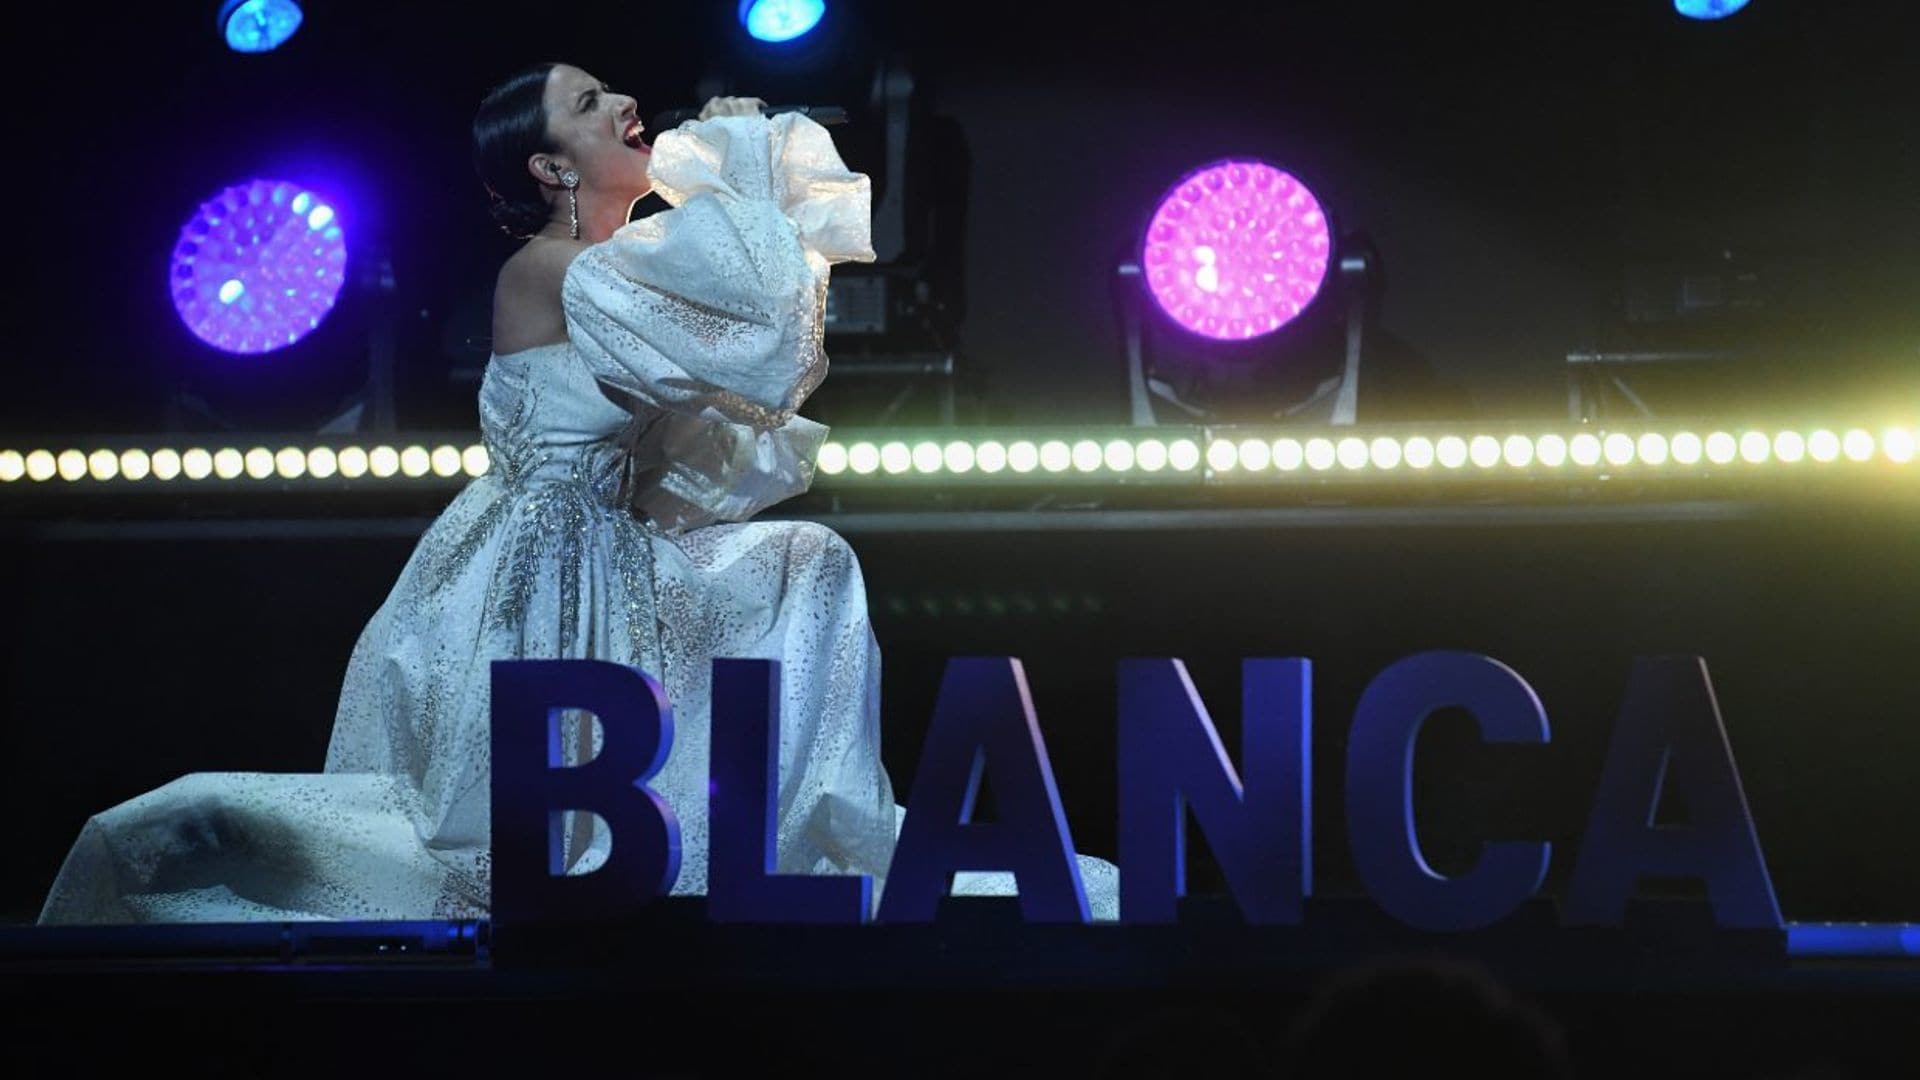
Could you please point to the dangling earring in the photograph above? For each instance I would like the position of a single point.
(572, 181)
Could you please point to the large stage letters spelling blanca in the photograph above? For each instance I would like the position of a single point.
(1668, 739)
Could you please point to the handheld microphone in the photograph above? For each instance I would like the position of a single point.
(819, 114)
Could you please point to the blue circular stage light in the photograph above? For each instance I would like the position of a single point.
(257, 26)
(780, 20)
(1708, 9)
(258, 266)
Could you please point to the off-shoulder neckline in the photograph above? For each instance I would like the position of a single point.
(572, 262)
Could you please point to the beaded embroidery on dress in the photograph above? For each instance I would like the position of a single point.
(612, 524)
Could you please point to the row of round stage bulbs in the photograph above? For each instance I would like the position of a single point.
(259, 463)
(1353, 454)
(1223, 456)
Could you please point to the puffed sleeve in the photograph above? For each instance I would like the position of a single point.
(708, 316)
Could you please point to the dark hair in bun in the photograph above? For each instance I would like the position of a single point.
(510, 127)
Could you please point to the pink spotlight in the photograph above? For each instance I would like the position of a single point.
(1236, 250)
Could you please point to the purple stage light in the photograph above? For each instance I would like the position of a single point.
(1236, 250)
(258, 266)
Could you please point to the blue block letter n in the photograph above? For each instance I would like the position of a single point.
(1171, 759)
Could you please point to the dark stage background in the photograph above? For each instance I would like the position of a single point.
(1510, 160)
(130, 662)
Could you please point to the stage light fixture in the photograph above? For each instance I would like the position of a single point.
(1687, 448)
(1858, 445)
(926, 457)
(1789, 446)
(259, 463)
(832, 460)
(863, 458)
(1419, 452)
(1551, 451)
(1584, 449)
(103, 464)
(1055, 456)
(1119, 455)
(991, 457)
(1722, 448)
(12, 466)
(1385, 453)
(354, 463)
(1708, 9)
(1151, 456)
(1023, 457)
(1451, 451)
(166, 464)
(1320, 454)
(41, 466)
(775, 21)
(1351, 453)
(73, 465)
(322, 462)
(257, 267)
(1288, 454)
(415, 461)
(1652, 448)
(1518, 451)
(257, 26)
(135, 464)
(1484, 451)
(1183, 455)
(1236, 250)
(1898, 444)
(1755, 447)
(1618, 448)
(896, 458)
(1823, 446)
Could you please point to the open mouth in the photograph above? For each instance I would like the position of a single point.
(631, 135)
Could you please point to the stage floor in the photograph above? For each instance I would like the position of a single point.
(978, 992)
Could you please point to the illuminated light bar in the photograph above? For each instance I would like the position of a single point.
(445, 461)
(1550, 450)
(1484, 451)
(1687, 448)
(1351, 453)
(1386, 453)
(1898, 443)
(1517, 451)
(1418, 452)
(1161, 456)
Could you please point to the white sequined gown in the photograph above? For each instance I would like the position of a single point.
(612, 525)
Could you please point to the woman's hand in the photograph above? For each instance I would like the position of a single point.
(731, 106)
